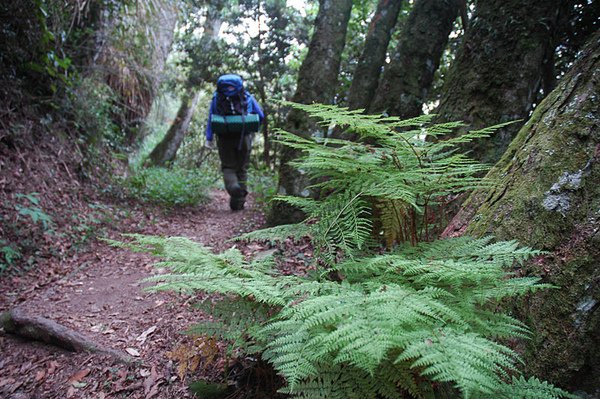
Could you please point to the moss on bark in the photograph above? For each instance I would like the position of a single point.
(406, 81)
(496, 75)
(548, 196)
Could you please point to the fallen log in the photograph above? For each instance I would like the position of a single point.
(41, 329)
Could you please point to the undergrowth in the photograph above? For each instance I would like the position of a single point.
(418, 320)
(170, 187)
(262, 182)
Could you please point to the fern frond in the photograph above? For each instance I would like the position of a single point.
(532, 388)
(277, 233)
(417, 320)
(234, 314)
(473, 363)
(343, 225)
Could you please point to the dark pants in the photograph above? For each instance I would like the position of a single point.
(235, 160)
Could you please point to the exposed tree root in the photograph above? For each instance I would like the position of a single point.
(41, 329)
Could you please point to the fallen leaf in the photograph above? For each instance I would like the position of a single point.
(16, 386)
(81, 374)
(143, 336)
(149, 382)
(132, 351)
(70, 392)
(6, 381)
(52, 367)
(40, 375)
(25, 367)
(154, 391)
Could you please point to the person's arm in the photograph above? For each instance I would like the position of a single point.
(209, 132)
(257, 109)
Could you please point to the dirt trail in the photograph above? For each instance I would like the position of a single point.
(101, 296)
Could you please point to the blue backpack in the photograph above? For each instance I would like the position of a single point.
(233, 108)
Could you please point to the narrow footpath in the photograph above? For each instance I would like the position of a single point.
(100, 294)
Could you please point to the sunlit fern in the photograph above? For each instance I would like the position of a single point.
(417, 320)
(394, 167)
(399, 323)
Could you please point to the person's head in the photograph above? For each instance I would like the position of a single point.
(230, 84)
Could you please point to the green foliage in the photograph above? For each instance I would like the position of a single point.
(262, 182)
(171, 187)
(23, 230)
(398, 174)
(410, 322)
(91, 104)
(414, 318)
(52, 60)
(33, 210)
(10, 254)
(36, 38)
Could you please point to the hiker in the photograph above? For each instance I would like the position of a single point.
(234, 117)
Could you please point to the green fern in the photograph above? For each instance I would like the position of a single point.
(429, 319)
(398, 167)
(412, 322)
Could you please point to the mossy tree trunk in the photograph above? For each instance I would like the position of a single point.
(166, 150)
(163, 31)
(548, 197)
(366, 75)
(130, 53)
(407, 80)
(498, 70)
(317, 79)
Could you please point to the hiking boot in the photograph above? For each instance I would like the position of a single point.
(237, 203)
(237, 191)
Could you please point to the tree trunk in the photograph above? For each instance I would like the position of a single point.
(41, 329)
(132, 63)
(317, 80)
(548, 197)
(163, 30)
(262, 85)
(166, 150)
(366, 75)
(408, 78)
(498, 70)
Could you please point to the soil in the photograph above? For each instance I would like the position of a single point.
(81, 282)
(102, 296)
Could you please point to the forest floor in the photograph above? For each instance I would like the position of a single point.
(98, 291)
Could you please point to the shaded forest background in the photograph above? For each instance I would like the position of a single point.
(113, 95)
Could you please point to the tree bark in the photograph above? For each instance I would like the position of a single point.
(408, 78)
(368, 70)
(166, 20)
(163, 28)
(48, 331)
(316, 83)
(262, 85)
(166, 150)
(498, 70)
(548, 197)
